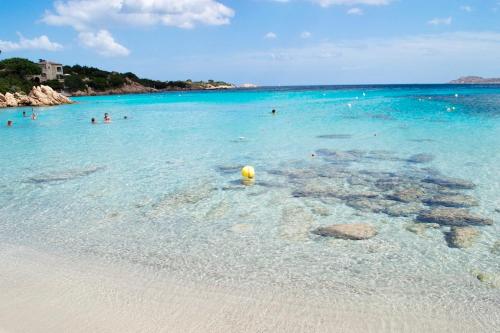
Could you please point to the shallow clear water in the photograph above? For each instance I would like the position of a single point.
(163, 189)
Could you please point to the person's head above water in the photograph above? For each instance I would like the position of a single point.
(24, 113)
(125, 117)
(274, 111)
(93, 121)
(9, 123)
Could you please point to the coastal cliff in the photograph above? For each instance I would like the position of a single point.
(38, 96)
(475, 80)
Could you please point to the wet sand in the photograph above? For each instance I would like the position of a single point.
(46, 293)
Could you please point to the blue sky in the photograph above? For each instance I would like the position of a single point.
(267, 42)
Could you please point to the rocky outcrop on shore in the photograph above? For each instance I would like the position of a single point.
(38, 96)
(130, 87)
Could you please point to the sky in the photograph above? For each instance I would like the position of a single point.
(265, 42)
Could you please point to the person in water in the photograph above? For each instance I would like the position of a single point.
(107, 118)
(125, 117)
(93, 121)
(33, 116)
(273, 112)
(9, 123)
(24, 113)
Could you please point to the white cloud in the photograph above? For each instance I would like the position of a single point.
(38, 43)
(270, 35)
(92, 18)
(103, 43)
(305, 35)
(355, 11)
(466, 8)
(86, 14)
(440, 21)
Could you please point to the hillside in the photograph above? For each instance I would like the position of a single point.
(83, 80)
(475, 80)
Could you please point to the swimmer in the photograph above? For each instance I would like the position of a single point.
(33, 116)
(24, 113)
(125, 117)
(9, 123)
(273, 112)
(107, 118)
(93, 121)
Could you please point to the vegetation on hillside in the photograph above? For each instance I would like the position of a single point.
(15, 72)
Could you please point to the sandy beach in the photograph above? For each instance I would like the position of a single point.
(44, 293)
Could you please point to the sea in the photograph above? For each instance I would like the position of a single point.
(106, 218)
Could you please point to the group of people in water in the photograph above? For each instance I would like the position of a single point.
(93, 121)
(34, 116)
(107, 119)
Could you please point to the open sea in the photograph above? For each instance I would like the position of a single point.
(159, 194)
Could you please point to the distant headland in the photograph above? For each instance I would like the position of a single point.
(475, 80)
(18, 75)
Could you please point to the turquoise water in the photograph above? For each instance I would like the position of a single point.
(162, 188)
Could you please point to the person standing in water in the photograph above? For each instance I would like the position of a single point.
(9, 123)
(34, 116)
(107, 118)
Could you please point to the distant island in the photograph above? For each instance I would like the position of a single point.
(475, 80)
(18, 75)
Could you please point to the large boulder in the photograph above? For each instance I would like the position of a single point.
(45, 95)
(3, 101)
(10, 100)
(22, 99)
(38, 96)
(357, 231)
(462, 237)
(453, 217)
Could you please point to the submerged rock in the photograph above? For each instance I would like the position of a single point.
(64, 175)
(495, 249)
(451, 183)
(453, 217)
(358, 231)
(403, 210)
(369, 205)
(452, 200)
(421, 158)
(338, 156)
(335, 136)
(420, 228)
(407, 195)
(228, 169)
(462, 237)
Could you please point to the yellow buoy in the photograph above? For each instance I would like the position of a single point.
(248, 172)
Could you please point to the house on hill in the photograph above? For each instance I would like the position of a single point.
(50, 71)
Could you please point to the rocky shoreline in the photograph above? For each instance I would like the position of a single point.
(38, 96)
(132, 87)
